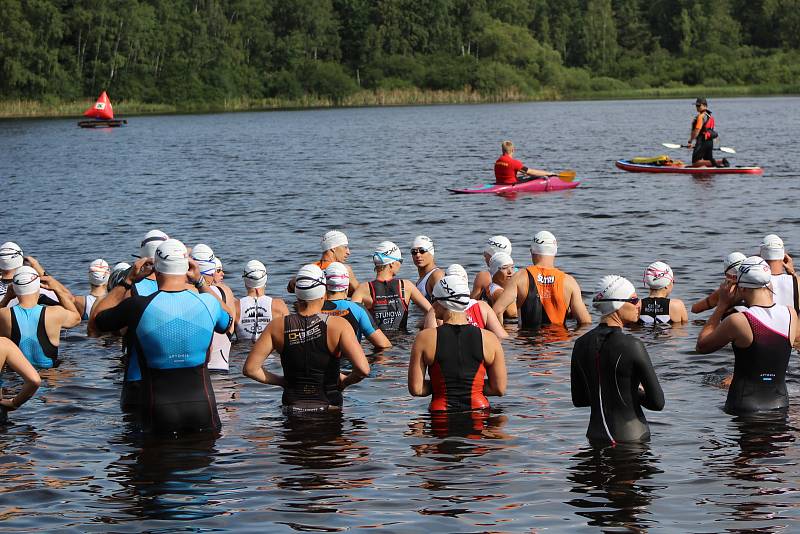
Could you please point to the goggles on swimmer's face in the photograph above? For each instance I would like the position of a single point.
(632, 300)
(8, 253)
(419, 250)
(381, 256)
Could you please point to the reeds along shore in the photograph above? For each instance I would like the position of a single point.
(384, 97)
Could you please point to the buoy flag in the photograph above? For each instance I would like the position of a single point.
(102, 108)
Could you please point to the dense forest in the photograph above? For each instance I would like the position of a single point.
(166, 51)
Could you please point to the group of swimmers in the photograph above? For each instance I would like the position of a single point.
(177, 317)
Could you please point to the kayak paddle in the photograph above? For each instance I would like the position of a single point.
(565, 176)
(727, 149)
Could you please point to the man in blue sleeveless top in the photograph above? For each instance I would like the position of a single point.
(33, 327)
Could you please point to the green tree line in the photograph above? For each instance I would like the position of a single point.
(209, 50)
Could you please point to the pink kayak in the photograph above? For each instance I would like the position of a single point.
(538, 185)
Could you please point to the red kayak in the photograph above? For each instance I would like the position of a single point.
(629, 166)
(538, 185)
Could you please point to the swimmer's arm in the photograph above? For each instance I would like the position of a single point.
(652, 397)
(279, 308)
(496, 372)
(80, 304)
(478, 284)
(579, 383)
(417, 385)
(492, 324)
(113, 321)
(11, 356)
(351, 349)
(361, 295)
(379, 340)
(354, 284)
(717, 333)
(430, 319)
(70, 316)
(706, 304)
(509, 294)
(253, 365)
(418, 298)
(677, 311)
(576, 305)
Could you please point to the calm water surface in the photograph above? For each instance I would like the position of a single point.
(267, 185)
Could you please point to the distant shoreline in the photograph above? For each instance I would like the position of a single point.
(19, 109)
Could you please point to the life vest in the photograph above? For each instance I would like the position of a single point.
(707, 129)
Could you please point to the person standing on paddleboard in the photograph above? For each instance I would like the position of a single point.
(701, 139)
(506, 168)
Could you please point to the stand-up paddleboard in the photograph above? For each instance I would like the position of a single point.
(102, 115)
(538, 185)
(627, 165)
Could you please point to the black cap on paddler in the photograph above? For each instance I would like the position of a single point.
(701, 100)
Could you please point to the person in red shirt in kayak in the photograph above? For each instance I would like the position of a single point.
(506, 168)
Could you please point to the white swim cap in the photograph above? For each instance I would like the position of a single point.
(150, 243)
(172, 257)
(26, 281)
(658, 275)
(10, 256)
(611, 294)
(333, 239)
(423, 241)
(99, 272)
(452, 292)
(544, 244)
(498, 261)
(310, 283)
(753, 273)
(337, 277)
(386, 253)
(731, 262)
(772, 247)
(205, 259)
(217, 263)
(254, 274)
(457, 270)
(497, 243)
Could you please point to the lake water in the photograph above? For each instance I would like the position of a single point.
(267, 186)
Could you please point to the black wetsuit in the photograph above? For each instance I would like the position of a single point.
(607, 368)
(310, 370)
(759, 374)
(458, 370)
(389, 308)
(171, 333)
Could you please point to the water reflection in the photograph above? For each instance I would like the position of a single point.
(609, 481)
(165, 478)
(320, 455)
(458, 435)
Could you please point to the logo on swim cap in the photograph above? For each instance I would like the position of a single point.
(753, 273)
(452, 292)
(497, 243)
(171, 257)
(386, 253)
(658, 275)
(544, 244)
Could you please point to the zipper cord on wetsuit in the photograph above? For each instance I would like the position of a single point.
(601, 339)
(255, 326)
